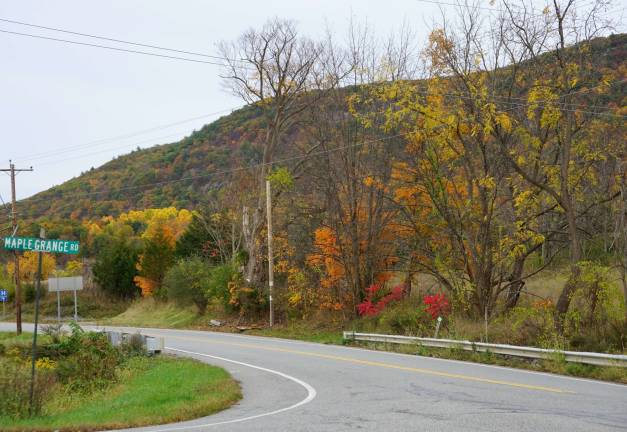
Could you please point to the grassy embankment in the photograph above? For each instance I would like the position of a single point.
(154, 314)
(148, 391)
(91, 307)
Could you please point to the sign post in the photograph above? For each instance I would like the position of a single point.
(41, 245)
(34, 353)
(73, 283)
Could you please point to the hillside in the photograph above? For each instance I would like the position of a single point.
(139, 179)
(184, 173)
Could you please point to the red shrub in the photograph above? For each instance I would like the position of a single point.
(437, 305)
(371, 306)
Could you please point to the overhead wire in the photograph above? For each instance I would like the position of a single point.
(106, 150)
(228, 171)
(512, 105)
(498, 99)
(57, 29)
(61, 150)
(146, 53)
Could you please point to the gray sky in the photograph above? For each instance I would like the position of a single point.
(55, 95)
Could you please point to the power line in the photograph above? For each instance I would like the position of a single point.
(126, 146)
(470, 7)
(424, 93)
(113, 48)
(491, 9)
(540, 104)
(221, 172)
(116, 40)
(147, 186)
(35, 156)
(5, 204)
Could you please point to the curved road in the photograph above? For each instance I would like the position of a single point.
(300, 386)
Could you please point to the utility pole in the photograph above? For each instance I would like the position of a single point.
(42, 235)
(270, 254)
(18, 297)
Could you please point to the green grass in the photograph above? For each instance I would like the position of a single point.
(150, 313)
(303, 332)
(150, 391)
(26, 338)
(90, 307)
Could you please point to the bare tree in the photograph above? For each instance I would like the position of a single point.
(274, 68)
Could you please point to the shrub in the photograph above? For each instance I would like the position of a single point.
(15, 388)
(376, 301)
(220, 283)
(534, 325)
(91, 365)
(245, 299)
(28, 292)
(437, 305)
(81, 362)
(188, 282)
(405, 318)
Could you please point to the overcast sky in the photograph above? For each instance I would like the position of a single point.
(55, 96)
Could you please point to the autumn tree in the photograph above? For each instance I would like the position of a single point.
(355, 243)
(29, 264)
(156, 258)
(552, 144)
(212, 234)
(273, 67)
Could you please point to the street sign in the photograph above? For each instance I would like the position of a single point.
(4, 296)
(41, 245)
(72, 283)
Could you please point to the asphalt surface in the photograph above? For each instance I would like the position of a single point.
(300, 386)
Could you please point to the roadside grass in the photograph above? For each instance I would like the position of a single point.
(150, 313)
(90, 307)
(302, 331)
(26, 338)
(150, 391)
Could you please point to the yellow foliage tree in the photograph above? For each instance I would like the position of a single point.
(28, 266)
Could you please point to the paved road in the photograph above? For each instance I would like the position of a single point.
(300, 386)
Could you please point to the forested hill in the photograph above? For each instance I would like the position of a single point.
(185, 173)
(144, 177)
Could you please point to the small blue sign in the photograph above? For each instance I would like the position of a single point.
(4, 296)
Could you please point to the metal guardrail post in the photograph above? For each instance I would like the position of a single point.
(598, 359)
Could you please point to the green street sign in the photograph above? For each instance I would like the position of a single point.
(41, 245)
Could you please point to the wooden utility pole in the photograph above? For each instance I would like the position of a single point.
(270, 254)
(18, 297)
(42, 234)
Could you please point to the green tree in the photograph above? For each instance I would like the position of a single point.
(211, 235)
(115, 268)
(193, 281)
(188, 282)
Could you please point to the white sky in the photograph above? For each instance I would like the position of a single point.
(54, 95)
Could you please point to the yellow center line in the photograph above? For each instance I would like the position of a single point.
(382, 365)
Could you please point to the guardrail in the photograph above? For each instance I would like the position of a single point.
(599, 359)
